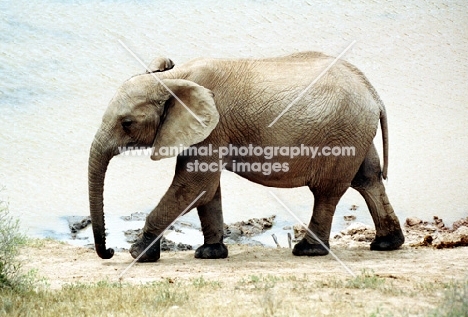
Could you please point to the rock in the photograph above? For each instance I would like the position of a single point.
(299, 231)
(232, 232)
(425, 242)
(240, 232)
(349, 218)
(428, 240)
(287, 228)
(359, 232)
(77, 223)
(438, 222)
(356, 227)
(413, 221)
(457, 238)
(436, 234)
(133, 235)
(250, 227)
(460, 223)
(168, 245)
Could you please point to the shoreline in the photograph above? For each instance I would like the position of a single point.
(267, 232)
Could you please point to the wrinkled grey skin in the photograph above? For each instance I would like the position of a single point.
(236, 100)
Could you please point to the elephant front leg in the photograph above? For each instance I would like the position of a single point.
(316, 240)
(147, 248)
(176, 202)
(188, 190)
(211, 218)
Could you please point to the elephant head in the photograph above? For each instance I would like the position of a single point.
(146, 111)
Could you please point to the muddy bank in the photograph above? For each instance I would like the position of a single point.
(418, 233)
(436, 234)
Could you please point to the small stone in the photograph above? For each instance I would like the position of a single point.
(413, 221)
(77, 223)
(287, 228)
(299, 231)
(349, 218)
(438, 222)
(427, 240)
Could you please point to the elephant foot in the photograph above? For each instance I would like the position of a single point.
(306, 248)
(391, 241)
(212, 251)
(152, 254)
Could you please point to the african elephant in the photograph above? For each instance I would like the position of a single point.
(222, 104)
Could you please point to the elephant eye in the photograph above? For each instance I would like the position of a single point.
(126, 123)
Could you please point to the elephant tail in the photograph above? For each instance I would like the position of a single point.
(384, 127)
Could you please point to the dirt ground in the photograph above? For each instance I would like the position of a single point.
(413, 275)
(62, 264)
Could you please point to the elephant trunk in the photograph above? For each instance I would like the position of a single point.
(99, 158)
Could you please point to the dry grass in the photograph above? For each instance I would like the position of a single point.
(254, 295)
(253, 281)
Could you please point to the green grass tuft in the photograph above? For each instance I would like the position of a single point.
(365, 280)
(11, 275)
(455, 302)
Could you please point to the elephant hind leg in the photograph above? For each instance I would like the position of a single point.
(211, 219)
(368, 183)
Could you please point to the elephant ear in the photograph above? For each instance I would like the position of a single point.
(160, 64)
(188, 118)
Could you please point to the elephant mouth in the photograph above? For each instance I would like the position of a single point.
(132, 144)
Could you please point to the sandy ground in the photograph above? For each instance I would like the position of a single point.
(253, 280)
(63, 264)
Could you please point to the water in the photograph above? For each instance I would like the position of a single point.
(61, 63)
